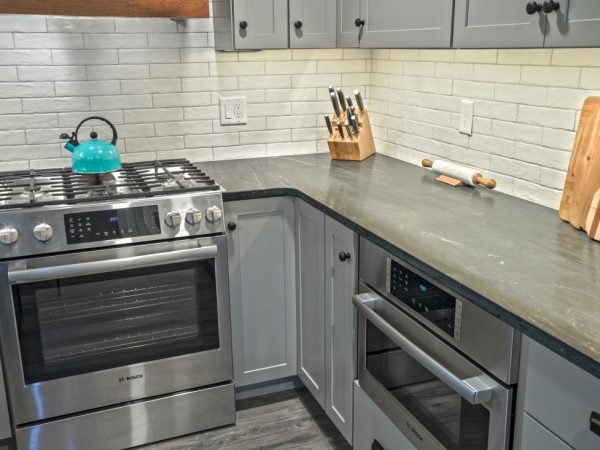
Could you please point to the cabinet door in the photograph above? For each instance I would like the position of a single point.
(310, 248)
(312, 23)
(406, 23)
(575, 24)
(489, 23)
(348, 34)
(262, 289)
(340, 340)
(260, 24)
(534, 436)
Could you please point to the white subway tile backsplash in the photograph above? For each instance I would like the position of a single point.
(48, 40)
(181, 99)
(142, 25)
(590, 78)
(12, 23)
(147, 56)
(154, 144)
(87, 88)
(11, 90)
(117, 72)
(183, 70)
(55, 104)
(177, 40)
(15, 137)
(6, 40)
(114, 102)
(538, 56)
(101, 41)
(51, 73)
(84, 57)
(8, 73)
(551, 76)
(188, 127)
(547, 117)
(155, 86)
(80, 24)
(25, 57)
(576, 57)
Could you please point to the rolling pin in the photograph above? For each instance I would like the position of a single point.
(467, 176)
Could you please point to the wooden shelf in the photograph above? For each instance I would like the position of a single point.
(121, 8)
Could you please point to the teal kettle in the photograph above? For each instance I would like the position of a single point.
(95, 155)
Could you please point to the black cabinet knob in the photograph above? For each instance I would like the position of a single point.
(344, 256)
(359, 22)
(550, 6)
(298, 24)
(243, 24)
(231, 226)
(533, 7)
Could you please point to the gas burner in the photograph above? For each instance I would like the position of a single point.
(62, 186)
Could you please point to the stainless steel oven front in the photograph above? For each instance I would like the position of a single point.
(86, 330)
(442, 369)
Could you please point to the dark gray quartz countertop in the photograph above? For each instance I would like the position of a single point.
(515, 259)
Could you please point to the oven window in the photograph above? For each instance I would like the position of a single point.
(454, 422)
(84, 324)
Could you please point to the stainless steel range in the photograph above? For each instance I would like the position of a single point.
(114, 305)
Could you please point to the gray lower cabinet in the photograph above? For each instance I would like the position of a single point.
(340, 340)
(312, 23)
(406, 23)
(534, 436)
(310, 244)
(489, 23)
(575, 24)
(260, 24)
(262, 289)
(327, 262)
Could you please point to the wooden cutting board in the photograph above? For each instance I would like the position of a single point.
(592, 224)
(583, 176)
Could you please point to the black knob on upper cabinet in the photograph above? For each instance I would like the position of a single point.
(550, 6)
(359, 22)
(344, 256)
(231, 226)
(243, 24)
(298, 24)
(533, 7)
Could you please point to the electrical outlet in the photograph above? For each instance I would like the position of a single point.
(466, 117)
(233, 110)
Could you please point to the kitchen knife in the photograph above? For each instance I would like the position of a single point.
(340, 129)
(349, 102)
(354, 124)
(359, 101)
(349, 130)
(328, 123)
(353, 109)
(334, 102)
(331, 89)
(342, 99)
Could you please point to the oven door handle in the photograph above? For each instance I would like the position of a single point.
(475, 390)
(110, 265)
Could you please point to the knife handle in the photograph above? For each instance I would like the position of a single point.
(342, 99)
(359, 100)
(334, 102)
(340, 129)
(328, 123)
(349, 102)
(349, 131)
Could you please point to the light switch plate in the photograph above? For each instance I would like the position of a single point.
(233, 110)
(466, 117)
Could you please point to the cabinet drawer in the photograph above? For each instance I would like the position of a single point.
(561, 396)
(535, 437)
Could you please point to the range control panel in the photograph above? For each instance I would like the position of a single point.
(425, 298)
(111, 224)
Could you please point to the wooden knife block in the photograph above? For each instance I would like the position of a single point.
(357, 149)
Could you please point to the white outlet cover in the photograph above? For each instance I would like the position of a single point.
(233, 110)
(466, 117)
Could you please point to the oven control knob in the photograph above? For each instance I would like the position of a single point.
(214, 214)
(173, 219)
(193, 216)
(9, 235)
(43, 232)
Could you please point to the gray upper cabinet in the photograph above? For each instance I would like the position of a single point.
(406, 23)
(260, 24)
(310, 236)
(340, 340)
(312, 23)
(262, 289)
(491, 23)
(575, 24)
(348, 34)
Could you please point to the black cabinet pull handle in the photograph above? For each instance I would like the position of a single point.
(550, 5)
(595, 423)
(344, 256)
(243, 24)
(231, 226)
(359, 22)
(298, 24)
(533, 7)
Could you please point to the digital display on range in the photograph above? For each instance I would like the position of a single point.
(421, 296)
(111, 224)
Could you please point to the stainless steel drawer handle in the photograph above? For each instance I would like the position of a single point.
(110, 265)
(475, 390)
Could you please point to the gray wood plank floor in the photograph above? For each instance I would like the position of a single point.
(284, 420)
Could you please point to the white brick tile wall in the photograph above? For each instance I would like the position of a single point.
(160, 82)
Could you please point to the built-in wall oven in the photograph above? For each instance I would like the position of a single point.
(441, 368)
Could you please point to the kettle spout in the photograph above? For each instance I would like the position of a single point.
(72, 143)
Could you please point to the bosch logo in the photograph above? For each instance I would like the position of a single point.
(131, 378)
(414, 432)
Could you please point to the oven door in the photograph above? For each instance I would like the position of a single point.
(85, 330)
(432, 393)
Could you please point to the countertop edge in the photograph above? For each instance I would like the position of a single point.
(551, 342)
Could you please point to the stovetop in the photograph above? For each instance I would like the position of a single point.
(43, 187)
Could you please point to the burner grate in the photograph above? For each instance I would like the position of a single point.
(62, 186)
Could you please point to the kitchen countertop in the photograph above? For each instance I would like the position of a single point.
(514, 258)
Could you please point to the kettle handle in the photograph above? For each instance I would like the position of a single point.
(114, 130)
